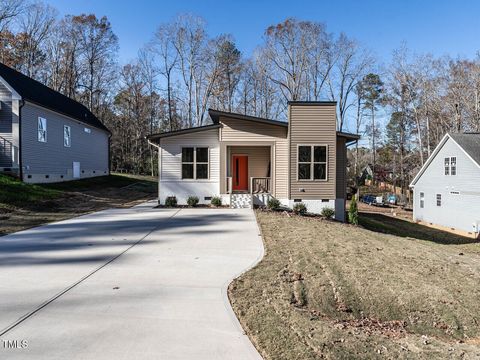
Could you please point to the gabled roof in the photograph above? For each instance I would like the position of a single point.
(215, 116)
(468, 142)
(39, 94)
(183, 131)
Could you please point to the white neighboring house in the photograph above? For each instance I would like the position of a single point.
(446, 191)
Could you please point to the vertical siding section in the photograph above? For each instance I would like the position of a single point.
(341, 182)
(53, 158)
(459, 211)
(313, 124)
(238, 131)
(5, 124)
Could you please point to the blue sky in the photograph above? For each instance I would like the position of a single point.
(440, 27)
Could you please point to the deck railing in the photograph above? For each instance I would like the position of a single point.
(260, 185)
(8, 153)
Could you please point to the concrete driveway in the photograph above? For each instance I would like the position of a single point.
(137, 283)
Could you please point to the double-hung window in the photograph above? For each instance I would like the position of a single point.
(312, 162)
(439, 200)
(42, 129)
(447, 166)
(422, 200)
(67, 136)
(453, 166)
(195, 161)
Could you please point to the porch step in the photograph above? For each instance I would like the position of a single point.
(239, 201)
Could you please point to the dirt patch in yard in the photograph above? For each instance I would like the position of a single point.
(42, 204)
(330, 290)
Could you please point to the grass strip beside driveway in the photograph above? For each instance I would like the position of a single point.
(326, 289)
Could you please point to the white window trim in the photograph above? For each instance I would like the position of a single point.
(41, 119)
(311, 162)
(195, 163)
(69, 137)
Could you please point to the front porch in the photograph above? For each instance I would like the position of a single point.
(248, 173)
(9, 156)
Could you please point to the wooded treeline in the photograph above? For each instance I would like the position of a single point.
(402, 108)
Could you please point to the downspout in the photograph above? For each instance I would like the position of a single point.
(20, 161)
(159, 160)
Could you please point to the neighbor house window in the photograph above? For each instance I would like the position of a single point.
(439, 200)
(195, 163)
(422, 200)
(67, 136)
(42, 129)
(312, 162)
(453, 166)
(447, 166)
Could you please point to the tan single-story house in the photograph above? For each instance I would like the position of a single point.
(246, 160)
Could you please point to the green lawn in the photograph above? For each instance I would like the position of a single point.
(17, 193)
(330, 290)
(25, 205)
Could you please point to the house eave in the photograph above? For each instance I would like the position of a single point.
(182, 131)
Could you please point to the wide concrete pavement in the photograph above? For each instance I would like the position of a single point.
(136, 283)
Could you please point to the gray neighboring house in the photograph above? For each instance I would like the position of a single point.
(46, 136)
(446, 191)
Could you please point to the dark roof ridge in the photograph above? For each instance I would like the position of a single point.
(40, 94)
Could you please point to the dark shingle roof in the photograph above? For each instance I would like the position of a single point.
(35, 92)
(470, 143)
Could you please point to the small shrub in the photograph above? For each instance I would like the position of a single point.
(353, 211)
(192, 201)
(328, 212)
(300, 208)
(171, 201)
(300, 293)
(216, 201)
(273, 204)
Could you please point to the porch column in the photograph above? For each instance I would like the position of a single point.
(223, 167)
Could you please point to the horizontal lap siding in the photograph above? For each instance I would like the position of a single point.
(313, 125)
(52, 157)
(171, 149)
(258, 159)
(236, 130)
(458, 211)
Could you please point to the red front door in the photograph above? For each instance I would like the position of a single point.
(240, 172)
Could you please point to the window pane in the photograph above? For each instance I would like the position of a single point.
(187, 154)
(304, 153)
(202, 171)
(304, 171)
(187, 171)
(320, 154)
(320, 171)
(202, 154)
